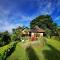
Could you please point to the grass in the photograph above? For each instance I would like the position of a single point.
(6, 50)
(51, 51)
(2, 50)
(18, 54)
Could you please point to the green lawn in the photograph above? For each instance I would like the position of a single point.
(51, 51)
(18, 54)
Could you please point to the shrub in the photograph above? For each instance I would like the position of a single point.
(7, 50)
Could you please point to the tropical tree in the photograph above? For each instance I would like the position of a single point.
(4, 38)
(17, 33)
(45, 22)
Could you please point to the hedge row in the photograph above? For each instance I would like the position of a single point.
(7, 50)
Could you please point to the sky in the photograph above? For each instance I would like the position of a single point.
(14, 13)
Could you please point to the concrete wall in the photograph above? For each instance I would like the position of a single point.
(37, 34)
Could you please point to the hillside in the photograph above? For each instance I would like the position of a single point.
(51, 51)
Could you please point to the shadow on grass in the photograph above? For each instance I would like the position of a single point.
(31, 54)
(52, 54)
(11, 51)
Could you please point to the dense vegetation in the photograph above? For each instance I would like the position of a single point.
(4, 38)
(7, 50)
(45, 22)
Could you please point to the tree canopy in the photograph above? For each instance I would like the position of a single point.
(45, 22)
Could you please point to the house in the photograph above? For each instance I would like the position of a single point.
(33, 33)
(25, 32)
(36, 32)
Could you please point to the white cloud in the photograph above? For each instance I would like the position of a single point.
(57, 18)
(46, 9)
(4, 25)
(5, 19)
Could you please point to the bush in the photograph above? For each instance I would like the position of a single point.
(7, 50)
(14, 37)
(4, 38)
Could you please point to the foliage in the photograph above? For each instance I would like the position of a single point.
(17, 33)
(19, 53)
(5, 51)
(4, 38)
(58, 30)
(45, 22)
(14, 37)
